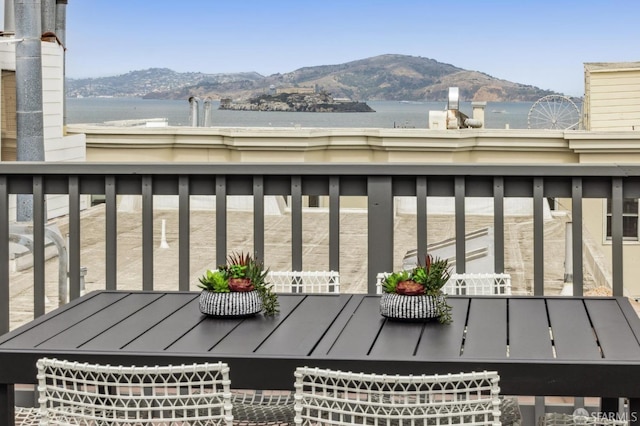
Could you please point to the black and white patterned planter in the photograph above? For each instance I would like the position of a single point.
(230, 305)
(400, 306)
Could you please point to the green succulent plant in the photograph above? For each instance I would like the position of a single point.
(242, 265)
(215, 281)
(432, 275)
(391, 281)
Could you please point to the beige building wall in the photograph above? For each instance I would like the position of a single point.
(8, 114)
(612, 96)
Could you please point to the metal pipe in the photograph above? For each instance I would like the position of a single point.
(61, 21)
(61, 32)
(194, 111)
(9, 17)
(23, 236)
(29, 116)
(472, 122)
(207, 112)
(48, 14)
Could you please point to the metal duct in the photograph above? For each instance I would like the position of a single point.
(207, 112)
(9, 17)
(48, 11)
(194, 111)
(61, 21)
(29, 117)
(61, 32)
(454, 99)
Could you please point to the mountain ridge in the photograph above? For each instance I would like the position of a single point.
(383, 77)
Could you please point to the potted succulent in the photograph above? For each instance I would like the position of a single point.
(417, 294)
(237, 289)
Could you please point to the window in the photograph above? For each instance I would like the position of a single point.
(629, 219)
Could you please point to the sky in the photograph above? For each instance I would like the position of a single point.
(541, 43)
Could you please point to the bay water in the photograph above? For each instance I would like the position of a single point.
(388, 114)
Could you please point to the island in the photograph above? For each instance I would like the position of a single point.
(296, 102)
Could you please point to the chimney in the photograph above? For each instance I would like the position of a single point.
(194, 111)
(478, 111)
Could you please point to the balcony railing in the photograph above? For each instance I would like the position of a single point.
(377, 184)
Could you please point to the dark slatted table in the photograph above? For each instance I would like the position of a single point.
(539, 345)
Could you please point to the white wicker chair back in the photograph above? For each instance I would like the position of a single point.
(82, 393)
(468, 284)
(304, 281)
(330, 397)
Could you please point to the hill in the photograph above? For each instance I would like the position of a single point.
(144, 82)
(384, 77)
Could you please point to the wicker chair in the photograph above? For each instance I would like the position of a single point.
(330, 397)
(560, 419)
(27, 416)
(305, 281)
(262, 407)
(468, 284)
(82, 393)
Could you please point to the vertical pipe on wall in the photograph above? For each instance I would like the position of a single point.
(9, 18)
(61, 32)
(29, 116)
(48, 14)
(207, 112)
(194, 111)
(61, 21)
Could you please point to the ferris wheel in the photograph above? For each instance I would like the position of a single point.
(554, 112)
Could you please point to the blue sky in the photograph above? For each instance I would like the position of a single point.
(542, 43)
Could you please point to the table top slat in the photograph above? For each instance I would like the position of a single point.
(572, 333)
(247, 337)
(397, 339)
(440, 341)
(140, 322)
(486, 329)
(359, 334)
(205, 335)
(529, 335)
(305, 326)
(335, 329)
(92, 326)
(616, 339)
(50, 325)
(172, 327)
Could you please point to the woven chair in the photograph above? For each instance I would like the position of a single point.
(468, 284)
(478, 284)
(330, 397)
(304, 281)
(262, 407)
(27, 416)
(82, 393)
(559, 419)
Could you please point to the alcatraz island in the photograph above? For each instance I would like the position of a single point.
(295, 99)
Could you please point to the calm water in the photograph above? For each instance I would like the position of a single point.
(388, 114)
